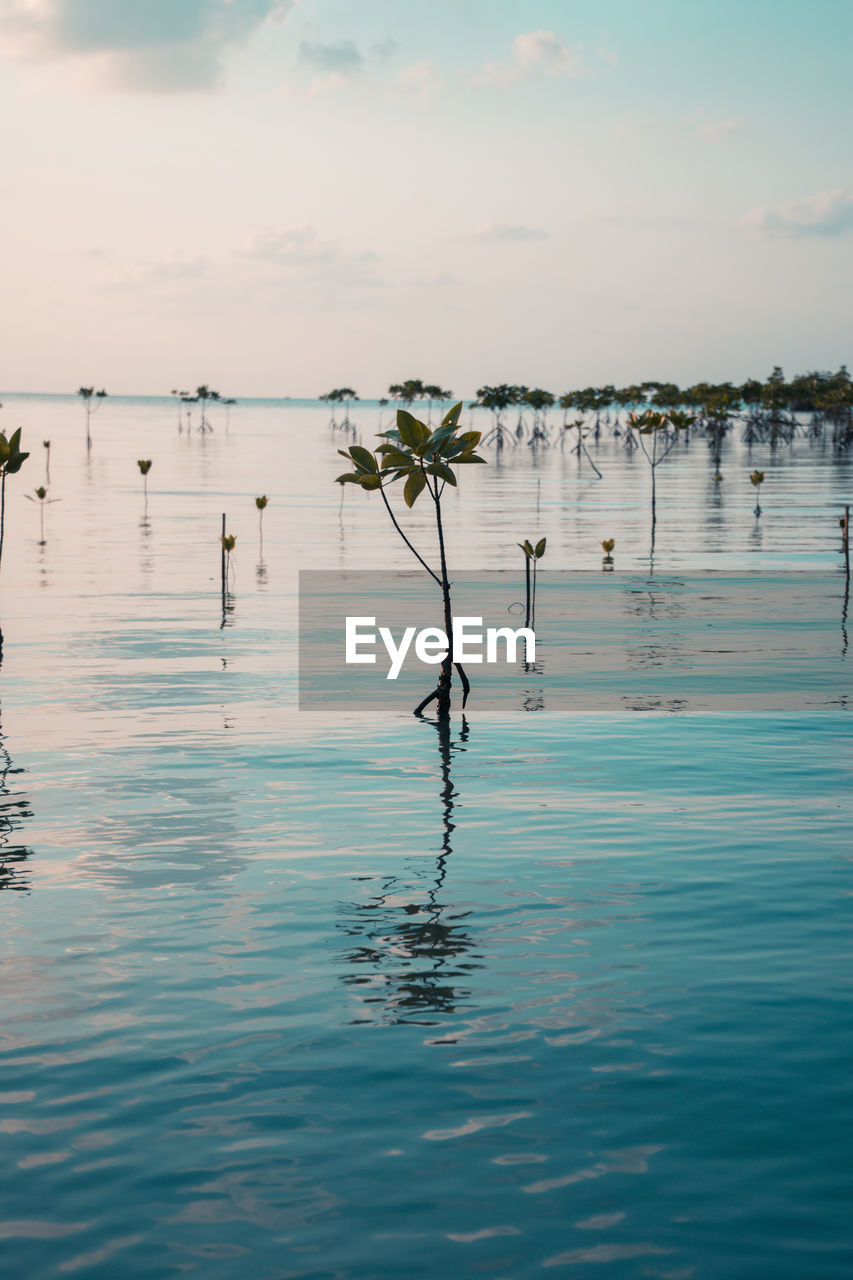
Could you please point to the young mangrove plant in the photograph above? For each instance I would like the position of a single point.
(532, 554)
(42, 499)
(46, 444)
(344, 396)
(580, 448)
(144, 465)
(425, 460)
(261, 503)
(607, 547)
(92, 401)
(658, 435)
(757, 479)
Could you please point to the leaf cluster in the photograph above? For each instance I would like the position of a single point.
(415, 454)
(533, 553)
(11, 457)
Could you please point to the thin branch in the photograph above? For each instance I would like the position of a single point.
(394, 521)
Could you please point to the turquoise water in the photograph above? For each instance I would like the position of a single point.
(334, 997)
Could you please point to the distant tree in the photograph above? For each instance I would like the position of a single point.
(92, 401)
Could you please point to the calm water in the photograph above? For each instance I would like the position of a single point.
(335, 997)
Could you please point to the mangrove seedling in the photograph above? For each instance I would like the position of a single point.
(46, 444)
(229, 542)
(144, 465)
(181, 397)
(41, 498)
(607, 546)
(531, 556)
(261, 504)
(757, 479)
(653, 430)
(202, 395)
(425, 460)
(580, 448)
(92, 401)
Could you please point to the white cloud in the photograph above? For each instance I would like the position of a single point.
(827, 214)
(716, 130)
(301, 250)
(422, 79)
(507, 233)
(148, 45)
(293, 247)
(164, 274)
(533, 52)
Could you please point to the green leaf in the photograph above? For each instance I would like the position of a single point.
(370, 482)
(363, 458)
(451, 418)
(540, 548)
(442, 471)
(15, 441)
(14, 464)
(414, 487)
(408, 428)
(395, 457)
(527, 548)
(468, 457)
(471, 438)
(349, 477)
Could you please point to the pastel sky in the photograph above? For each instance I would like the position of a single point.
(279, 196)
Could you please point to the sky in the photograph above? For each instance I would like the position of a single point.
(277, 197)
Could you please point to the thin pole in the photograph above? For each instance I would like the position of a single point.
(846, 542)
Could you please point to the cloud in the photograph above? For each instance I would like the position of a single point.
(343, 58)
(716, 130)
(293, 247)
(300, 249)
(533, 52)
(495, 232)
(422, 79)
(164, 274)
(146, 45)
(827, 214)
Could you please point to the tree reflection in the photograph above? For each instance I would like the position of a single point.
(409, 948)
(13, 811)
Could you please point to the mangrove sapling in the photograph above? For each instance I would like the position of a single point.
(228, 402)
(497, 400)
(580, 448)
(180, 398)
(46, 444)
(261, 504)
(607, 547)
(42, 499)
(756, 480)
(425, 460)
(92, 401)
(844, 521)
(202, 396)
(662, 441)
(11, 461)
(144, 465)
(540, 402)
(531, 556)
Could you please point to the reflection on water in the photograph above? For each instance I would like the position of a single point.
(409, 946)
(14, 811)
